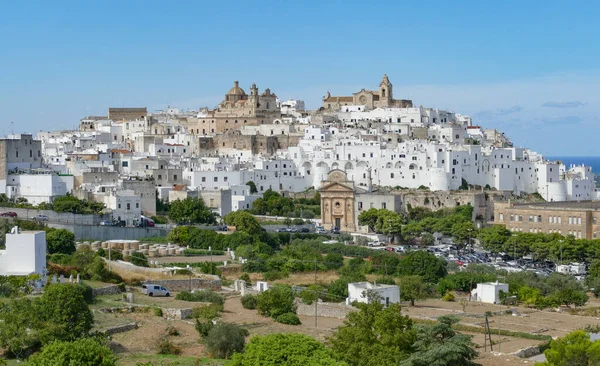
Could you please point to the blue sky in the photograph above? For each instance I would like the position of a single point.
(529, 69)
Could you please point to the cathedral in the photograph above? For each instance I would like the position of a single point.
(370, 99)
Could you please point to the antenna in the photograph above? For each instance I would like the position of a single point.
(12, 128)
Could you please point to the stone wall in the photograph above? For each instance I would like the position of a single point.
(325, 309)
(58, 217)
(528, 352)
(120, 328)
(176, 314)
(108, 290)
(184, 285)
(103, 233)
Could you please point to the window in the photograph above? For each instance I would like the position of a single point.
(215, 179)
(204, 179)
(579, 221)
(383, 205)
(160, 176)
(360, 205)
(119, 206)
(337, 205)
(137, 205)
(17, 154)
(530, 218)
(539, 218)
(501, 217)
(225, 179)
(128, 206)
(570, 220)
(391, 175)
(175, 177)
(124, 164)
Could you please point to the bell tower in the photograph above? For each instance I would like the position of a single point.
(385, 92)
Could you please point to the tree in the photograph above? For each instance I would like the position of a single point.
(368, 218)
(138, 259)
(463, 232)
(334, 260)
(285, 349)
(413, 288)
(60, 241)
(440, 345)
(374, 335)
(224, 339)
(191, 210)
(20, 325)
(423, 264)
(84, 351)
(64, 313)
(573, 349)
(277, 300)
(243, 221)
(252, 187)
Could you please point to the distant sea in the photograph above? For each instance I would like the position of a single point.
(593, 161)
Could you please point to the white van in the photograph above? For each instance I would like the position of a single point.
(155, 290)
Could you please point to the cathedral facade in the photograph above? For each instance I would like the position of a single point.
(370, 99)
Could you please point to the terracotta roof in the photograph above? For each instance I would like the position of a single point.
(121, 151)
(174, 144)
(179, 187)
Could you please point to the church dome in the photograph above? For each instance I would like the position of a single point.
(236, 90)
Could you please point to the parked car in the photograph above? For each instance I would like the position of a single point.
(155, 290)
(305, 230)
(375, 244)
(40, 218)
(120, 223)
(107, 223)
(335, 230)
(8, 214)
(321, 231)
(283, 230)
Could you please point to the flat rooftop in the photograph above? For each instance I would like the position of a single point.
(562, 205)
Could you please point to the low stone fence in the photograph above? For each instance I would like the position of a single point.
(177, 314)
(211, 282)
(528, 352)
(325, 309)
(108, 290)
(120, 328)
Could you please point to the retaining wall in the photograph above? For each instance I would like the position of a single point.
(108, 290)
(528, 352)
(103, 233)
(177, 314)
(184, 285)
(120, 328)
(325, 309)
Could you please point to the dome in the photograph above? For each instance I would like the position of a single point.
(236, 90)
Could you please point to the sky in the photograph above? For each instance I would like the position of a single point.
(527, 68)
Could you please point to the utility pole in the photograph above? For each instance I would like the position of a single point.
(109, 261)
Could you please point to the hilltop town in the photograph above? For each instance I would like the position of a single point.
(184, 232)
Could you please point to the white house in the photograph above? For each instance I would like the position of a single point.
(358, 291)
(489, 292)
(25, 253)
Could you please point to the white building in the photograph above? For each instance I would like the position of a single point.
(25, 253)
(359, 291)
(489, 292)
(38, 186)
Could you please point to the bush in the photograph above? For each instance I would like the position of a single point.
(274, 275)
(207, 312)
(249, 301)
(449, 296)
(172, 331)
(275, 301)
(203, 327)
(288, 318)
(166, 347)
(246, 277)
(84, 351)
(201, 296)
(88, 292)
(158, 312)
(224, 339)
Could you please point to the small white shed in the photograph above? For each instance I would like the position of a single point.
(357, 291)
(489, 292)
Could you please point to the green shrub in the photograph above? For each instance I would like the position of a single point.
(288, 318)
(207, 312)
(203, 327)
(246, 277)
(224, 339)
(275, 301)
(449, 296)
(249, 301)
(158, 312)
(166, 347)
(201, 296)
(84, 351)
(274, 275)
(88, 292)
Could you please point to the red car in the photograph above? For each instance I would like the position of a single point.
(8, 214)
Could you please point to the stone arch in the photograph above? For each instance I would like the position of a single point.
(322, 164)
(388, 164)
(362, 164)
(413, 166)
(348, 166)
(399, 165)
(307, 165)
(335, 166)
